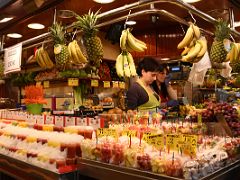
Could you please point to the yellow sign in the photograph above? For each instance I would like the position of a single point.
(146, 135)
(94, 83)
(199, 117)
(122, 85)
(129, 133)
(189, 144)
(73, 82)
(106, 84)
(46, 84)
(106, 132)
(115, 84)
(172, 141)
(38, 83)
(156, 140)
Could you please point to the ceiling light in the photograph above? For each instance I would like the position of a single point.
(6, 19)
(14, 35)
(36, 26)
(103, 1)
(131, 23)
(191, 1)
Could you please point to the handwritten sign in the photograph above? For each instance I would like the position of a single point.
(94, 83)
(106, 84)
(12, 58)
(38, 84)
(172, 141)
(122, 85)
(156, 140)
(46, 84)
(129, 133)
(147, 134)
(189, 144)
(73, 82)
(101, 132)
(115, 84)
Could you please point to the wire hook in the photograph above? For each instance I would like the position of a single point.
(182, 28)
(231, 36)
(194, 20)
(74, 34)
(125, 24)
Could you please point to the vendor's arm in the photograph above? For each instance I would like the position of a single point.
(172, 94)
(136, 96)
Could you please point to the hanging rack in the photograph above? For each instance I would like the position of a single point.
(138, 4)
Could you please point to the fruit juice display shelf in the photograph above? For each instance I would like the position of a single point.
(22, 170)
(102, 171)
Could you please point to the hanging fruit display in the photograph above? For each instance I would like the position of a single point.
(194, 45)
(233, 57)
(92, 42)
(218, 52)
(75, 54)
(60, 48)
(43, 58)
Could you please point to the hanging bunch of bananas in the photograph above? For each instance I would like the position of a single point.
(125, 66)
(75, 54)
(129, 43)
(194, 45)
(43, 58)
(234, 57)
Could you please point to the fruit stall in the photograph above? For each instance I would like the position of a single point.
(63, 112)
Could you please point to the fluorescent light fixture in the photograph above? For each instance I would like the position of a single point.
(130, 23)
(191, 1)
(165, 59)
(14, 35)
(103, 1)
(6, 19)
(36, 26)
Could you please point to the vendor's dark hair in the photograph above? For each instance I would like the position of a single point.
(148, 64)
(163, 92)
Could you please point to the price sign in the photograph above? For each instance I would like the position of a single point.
(106, 84)
(129, 133)
(156, 140)
(172, 141)
(46, 84)
(146, 135)
(199, 117)
(115, 84)
(106, 132)
(38, 84)
(189, 146)
(73, 82)
(94, 83)
(12, 58)
(122, 85)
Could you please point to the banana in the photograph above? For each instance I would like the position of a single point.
(231, 52)
(119, 65)
(128, 48)
(131, 64)
(236, 51)
(126, 68)
(132, 43)
(123, 40)
(187, 38)
(185, 51)
(80, 55)
(203, 50)
(138, 41)
(192, 53)
(70, 53)
(40, 59)
(47, 60)
(73, 51)
(196, 30)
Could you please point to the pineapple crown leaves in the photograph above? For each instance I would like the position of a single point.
(57, 32)
(222, 31)
(87, 23)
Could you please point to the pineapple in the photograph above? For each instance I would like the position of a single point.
(60, 49)
(92, 42)
(218, 52)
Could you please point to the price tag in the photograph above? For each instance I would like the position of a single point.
(189, 146)
(94, 83)
(172, 141)
(73, 82)
(46, 84)
(106, 132)
(129, 133)
(146, 135)
(38, 84)
(115, 84)
(106, 84)
(156, 140)
(122, 85)
(199, 117)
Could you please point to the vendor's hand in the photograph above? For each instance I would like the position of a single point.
(172, 103)
(167, 79)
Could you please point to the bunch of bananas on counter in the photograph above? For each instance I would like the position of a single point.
(43, 58)
(125, 66)
(234, 57)
(75, 53)
(194, 45)
(129, 43)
